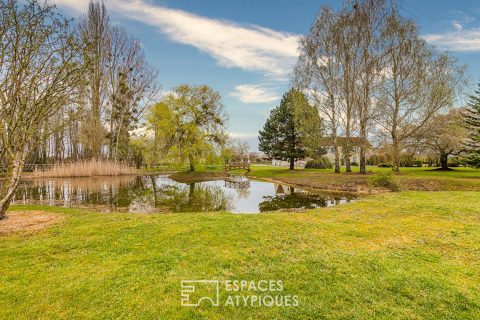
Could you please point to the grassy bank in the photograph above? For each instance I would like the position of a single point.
(408, 255)
(415, 179)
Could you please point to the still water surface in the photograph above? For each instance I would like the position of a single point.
(156, 193)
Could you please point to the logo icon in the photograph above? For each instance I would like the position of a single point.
(194, 292)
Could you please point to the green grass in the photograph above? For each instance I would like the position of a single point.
(418, 179)
(408, 255)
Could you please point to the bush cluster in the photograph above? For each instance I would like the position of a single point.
(384, 180)
(385, 165)
(320, 163)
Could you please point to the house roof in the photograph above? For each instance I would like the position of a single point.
(342, 141)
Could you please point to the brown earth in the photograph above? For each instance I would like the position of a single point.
(28, 221)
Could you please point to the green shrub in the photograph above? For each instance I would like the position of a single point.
(384, 180)
(455, 162)
(320, 163)
(354, 164)
(385, 165)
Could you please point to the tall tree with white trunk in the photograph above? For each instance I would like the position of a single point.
(417, 83)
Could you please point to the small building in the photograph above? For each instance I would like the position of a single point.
(327, 143)
(300, 163)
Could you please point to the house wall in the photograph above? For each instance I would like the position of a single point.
(282, 163)
(354, 158)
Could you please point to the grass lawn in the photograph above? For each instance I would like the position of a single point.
(418, 179)
(407, 255)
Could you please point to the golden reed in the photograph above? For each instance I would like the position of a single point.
(86, 168)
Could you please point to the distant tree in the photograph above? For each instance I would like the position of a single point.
(94, 30)
(472, 124)
(41, 71)
(309, 123)
(286, 133)
(236, 150)
(444, 135)
(189, 122)
(318, 72)
(417, 83)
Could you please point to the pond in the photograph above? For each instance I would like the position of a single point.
(157, 193)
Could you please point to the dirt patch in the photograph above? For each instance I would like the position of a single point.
(28, 221)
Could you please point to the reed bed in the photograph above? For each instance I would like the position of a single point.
(88, 168)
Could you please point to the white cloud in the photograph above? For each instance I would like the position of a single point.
(251, 47)
(242, 135)
(248, 93)
(460, 40)
(457, 25)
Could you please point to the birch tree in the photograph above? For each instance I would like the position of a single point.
(317, 73)
(417, 83)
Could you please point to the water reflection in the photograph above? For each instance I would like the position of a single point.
(161, 194)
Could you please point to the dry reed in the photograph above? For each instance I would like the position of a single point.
(88, 168)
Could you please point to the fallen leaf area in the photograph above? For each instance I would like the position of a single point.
(28, 221)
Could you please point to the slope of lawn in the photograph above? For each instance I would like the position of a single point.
(420, 179)
(408, 255)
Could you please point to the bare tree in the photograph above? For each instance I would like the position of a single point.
(416, 83)
(40, 72)
(94, 29)
(132, 87)
(366, 24)
(443, 135)
(318, 72)
(347, 37)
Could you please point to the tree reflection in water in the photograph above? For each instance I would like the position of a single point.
(301, 200)
(151, 194)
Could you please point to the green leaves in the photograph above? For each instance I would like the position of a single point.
(189, 123)
(293, 128)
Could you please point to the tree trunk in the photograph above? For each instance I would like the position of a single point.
(444, 161)
(292, 163)
(347, 150)
(336, 155)
(363, 160)
(348, 167)
(190, 161)
(11, 181)
(396, 154)
(334, 137)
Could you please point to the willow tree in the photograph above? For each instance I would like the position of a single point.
(188, 122)
(40, 72)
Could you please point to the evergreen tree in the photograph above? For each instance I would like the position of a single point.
(291, 128)
(472, 123)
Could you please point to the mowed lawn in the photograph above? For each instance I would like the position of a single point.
(418, 179)
(407, 255)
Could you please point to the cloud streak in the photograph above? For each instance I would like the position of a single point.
(248, 47)
(251, 94)
(462, 40)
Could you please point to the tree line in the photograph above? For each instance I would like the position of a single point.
(370, 74)
(69, 89)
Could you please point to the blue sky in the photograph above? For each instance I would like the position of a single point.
(245, 48)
